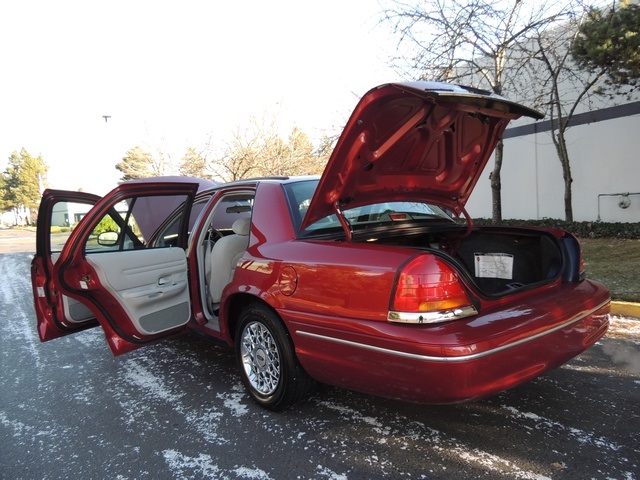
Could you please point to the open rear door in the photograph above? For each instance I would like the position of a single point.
(57, 314)
(126, 262)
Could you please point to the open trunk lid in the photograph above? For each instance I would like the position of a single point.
(420, 141)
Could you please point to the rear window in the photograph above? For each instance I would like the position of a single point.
(374, 215)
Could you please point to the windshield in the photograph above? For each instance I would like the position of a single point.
(383, 214)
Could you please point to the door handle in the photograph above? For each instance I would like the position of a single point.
(166, 280)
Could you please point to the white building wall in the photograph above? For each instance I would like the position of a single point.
(605, 160)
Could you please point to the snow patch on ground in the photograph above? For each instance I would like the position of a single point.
(184, 466)
(204, 466)
(206, 423)
(19, 325)
(356, 416)
(542, 423)
(494, 463)
(19, 429)
(234, 402)
(156, 392)
(419, 436)
(252, 473)
(325, 472)
(138, 375)
(624, 328)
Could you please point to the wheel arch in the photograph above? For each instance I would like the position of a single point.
(237, 303)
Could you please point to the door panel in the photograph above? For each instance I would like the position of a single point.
(74, 310)
(131, 269)
(57, 314)
(151, 286)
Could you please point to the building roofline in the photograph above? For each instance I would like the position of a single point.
(609, 113)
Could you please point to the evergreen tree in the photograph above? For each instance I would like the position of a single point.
(609, 41)
(137, 163)
(194, 164)
(4, 204)
(22, 184)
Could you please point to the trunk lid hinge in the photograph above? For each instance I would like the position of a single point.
(346, 226)
(469, 221)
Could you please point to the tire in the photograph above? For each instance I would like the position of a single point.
(268, 365)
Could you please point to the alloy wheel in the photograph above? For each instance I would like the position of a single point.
(260, 358)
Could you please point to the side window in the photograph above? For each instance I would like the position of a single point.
(168, 233)
(64, 217)
(117, 230)
(152, 221)
(231, 208)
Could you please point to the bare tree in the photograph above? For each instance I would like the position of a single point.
(472, 42)
(241, 154)
(564, 88)
(259, 150)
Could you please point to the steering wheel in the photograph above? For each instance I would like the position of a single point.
(213, 235)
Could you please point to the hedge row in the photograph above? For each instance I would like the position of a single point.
(580, 229)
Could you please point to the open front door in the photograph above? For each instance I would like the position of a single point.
(57, 314)
(126, 262)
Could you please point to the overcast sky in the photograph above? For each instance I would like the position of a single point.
(173, 74)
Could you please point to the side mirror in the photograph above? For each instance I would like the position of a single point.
(108, 239)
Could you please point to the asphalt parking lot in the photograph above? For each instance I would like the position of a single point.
(69, 409)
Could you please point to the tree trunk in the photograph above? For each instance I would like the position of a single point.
(563, 155)
(496, 201)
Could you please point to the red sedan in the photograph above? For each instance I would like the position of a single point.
(371, 277)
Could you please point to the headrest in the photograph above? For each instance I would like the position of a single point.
(242, 226)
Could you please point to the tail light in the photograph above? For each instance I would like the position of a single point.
(428, 290)
(574, 262)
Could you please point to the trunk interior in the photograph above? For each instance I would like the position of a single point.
(500, 261)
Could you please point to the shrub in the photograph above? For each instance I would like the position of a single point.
(107, 224)
(579, 229)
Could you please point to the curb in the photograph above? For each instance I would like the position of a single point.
(625, 309)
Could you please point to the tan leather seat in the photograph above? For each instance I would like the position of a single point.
(225, 255)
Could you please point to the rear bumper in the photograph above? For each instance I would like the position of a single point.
(458, 362)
